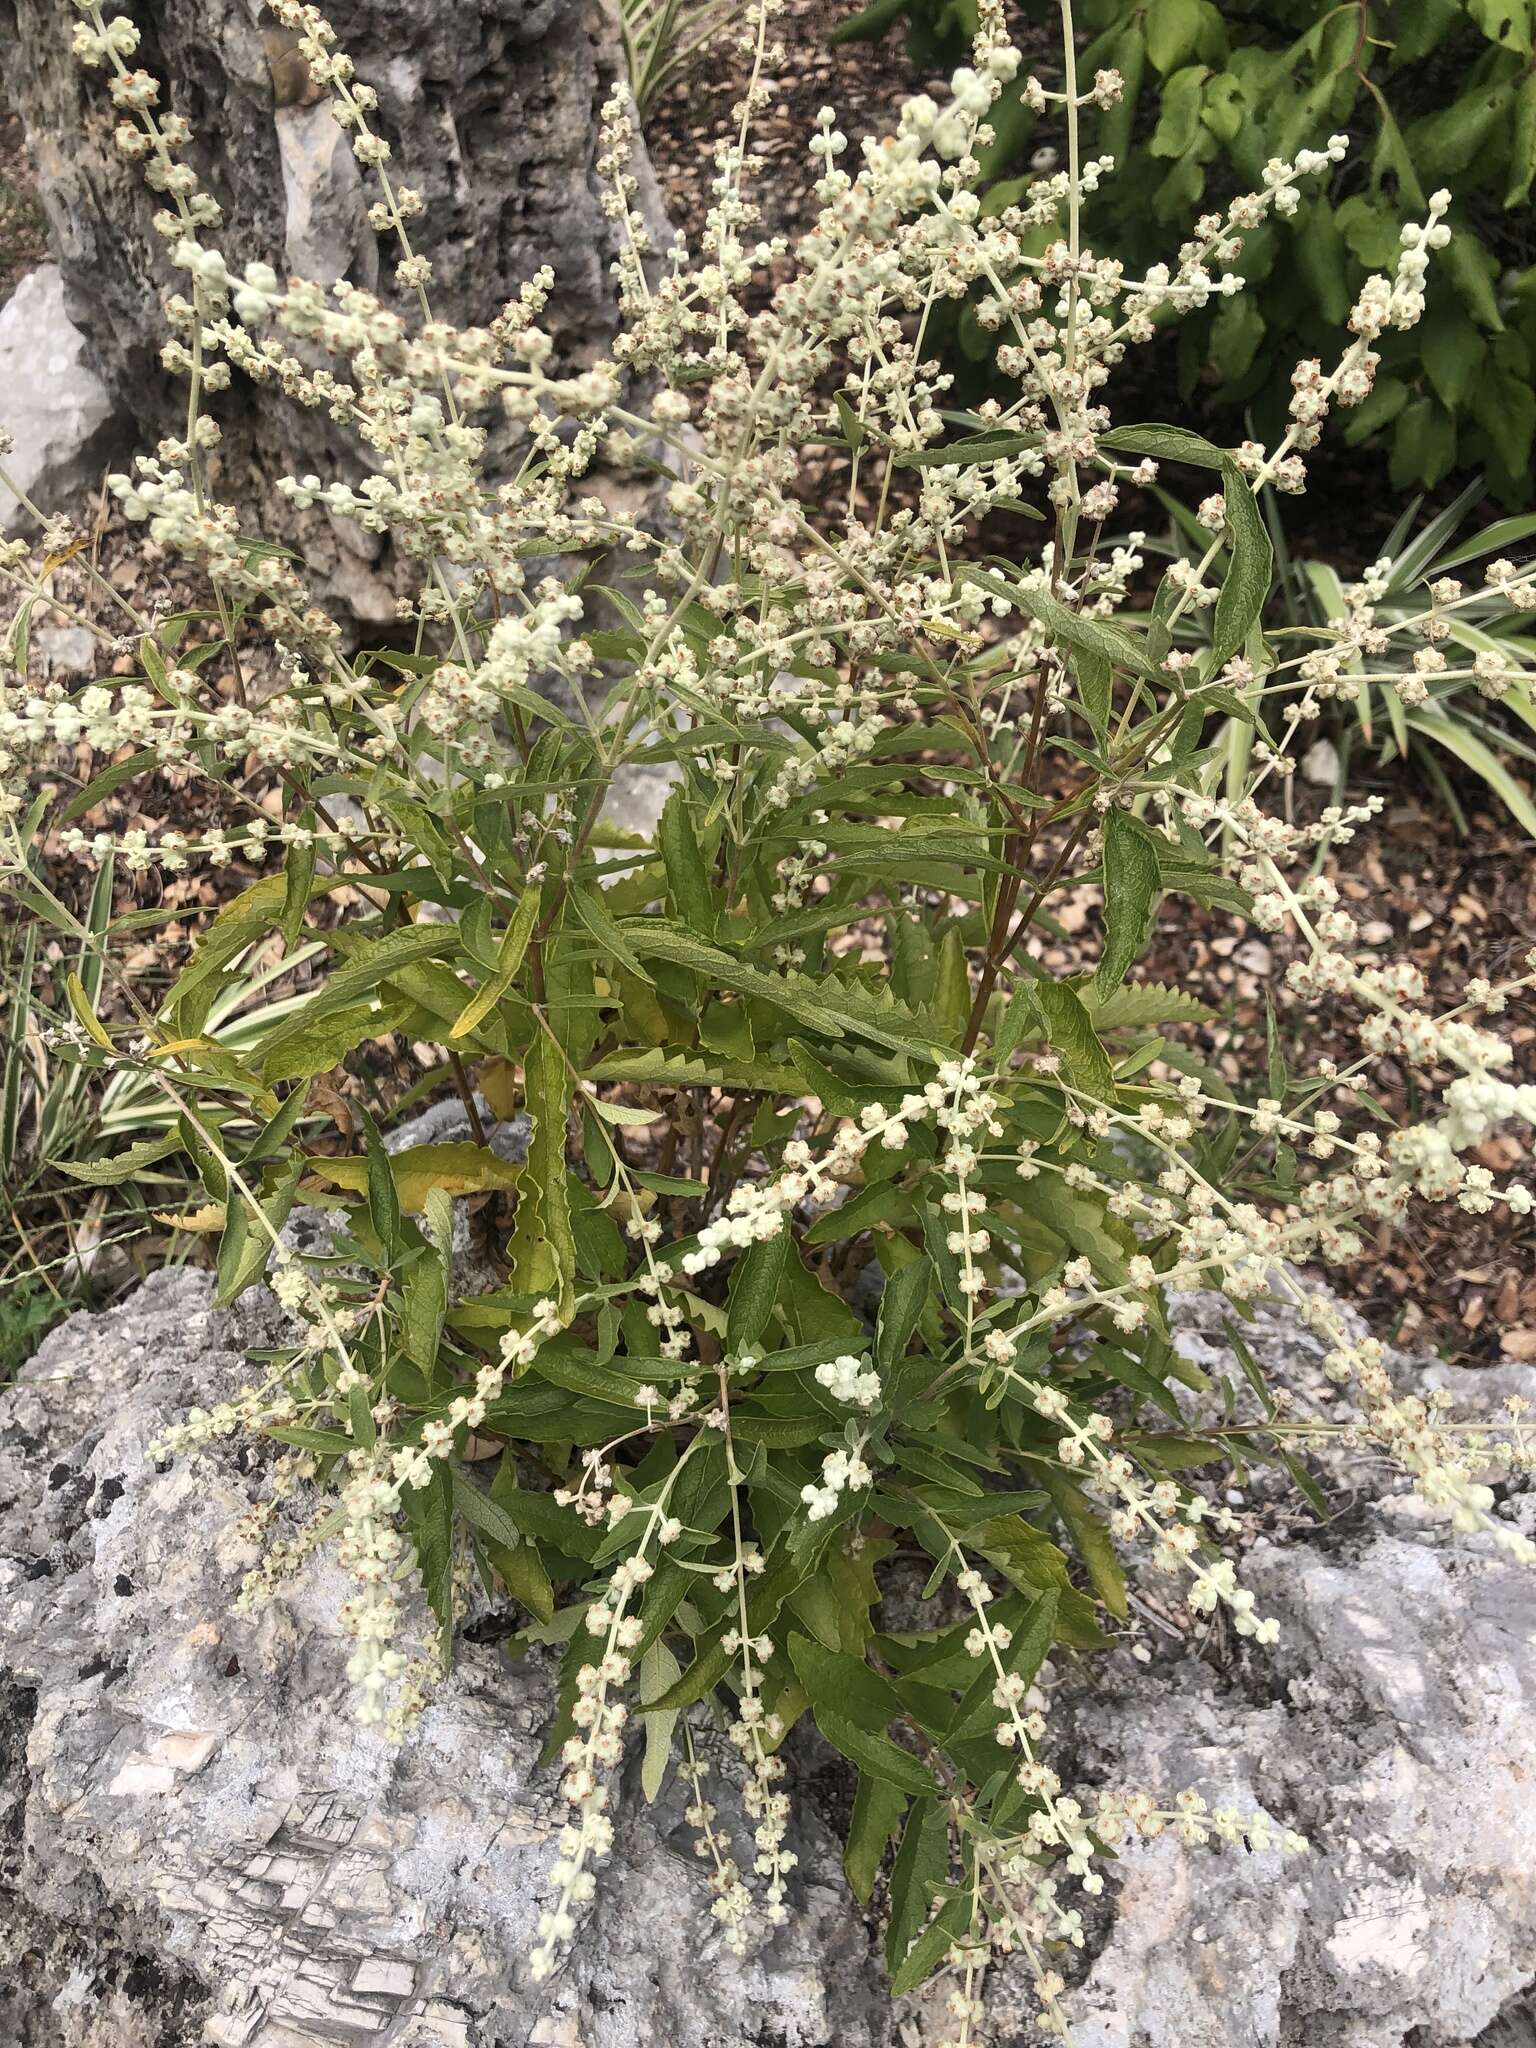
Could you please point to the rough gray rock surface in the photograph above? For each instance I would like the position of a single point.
(198, 1845)
(638, 795)
(191, 1808)
(490, 113)
(1394, 1724)
(54, 405)
(1401, 1737)
(64, 651)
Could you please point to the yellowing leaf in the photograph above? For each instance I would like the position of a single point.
(509, 959)
(208, 1219)
(460, 1168)
(62, 555)
(80, 1003)
(499, 1086)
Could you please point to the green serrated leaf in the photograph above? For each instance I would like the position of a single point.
(429, 1516)
(1069, 1031)
(1090, 1539)
(831, 1005)
(847, 1685)
(922, 1863)
(588, 904)
(246, 1245)
(1165, 444)
(688, 882)
(111, 1173)
(298, 880)
(901, 1308)
(876, 1754)
(659, 1671)
(1095, 636)
(543, 1243)
(383, 1201)
(1094, 690)
(669, 1067)
(932, 1946)
(241, 921)
(754, 1290)
(1142, 1006)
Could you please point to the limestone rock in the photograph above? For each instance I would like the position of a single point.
(638, 795)
(1402, 1740)
(1320, 764)
(326, 234)
(190, 1791)
(53, 403)
(198, 1845)
(1394, 1724)
(66, 651)
(490, 115)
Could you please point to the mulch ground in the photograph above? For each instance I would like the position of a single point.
(863, 82)
(1461, 1285)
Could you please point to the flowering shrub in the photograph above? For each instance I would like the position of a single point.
(845, 1230)
(1191, 99)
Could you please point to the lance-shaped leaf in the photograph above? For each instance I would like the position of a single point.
(1069, 1031)
(1131, 887)
(1072, 629)
(543, 1244)
(457, 1168)
(1164, 444)
(754, 1290)
(509, 958)
(1250, 574)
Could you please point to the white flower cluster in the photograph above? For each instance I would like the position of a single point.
(842, 1471)
(1025, 1909)
(599, 1717)
(850, 1379)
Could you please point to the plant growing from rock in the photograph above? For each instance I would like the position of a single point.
(845, 1229)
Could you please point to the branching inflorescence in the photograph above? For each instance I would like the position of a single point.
(846, 1231)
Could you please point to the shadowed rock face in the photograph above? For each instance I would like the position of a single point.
(490, 107)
